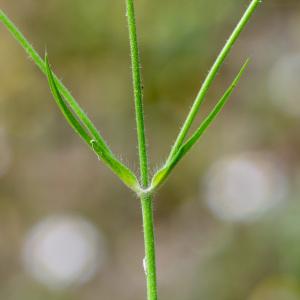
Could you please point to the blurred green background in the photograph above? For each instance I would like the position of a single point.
(227, 221)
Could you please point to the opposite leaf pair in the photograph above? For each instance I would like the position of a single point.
(98, 145)
(88, 132)
(83, 126)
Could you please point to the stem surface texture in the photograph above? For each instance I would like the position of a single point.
(146, 199)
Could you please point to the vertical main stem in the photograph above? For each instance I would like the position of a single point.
(138, 95)
(146, 199)
(149, 240)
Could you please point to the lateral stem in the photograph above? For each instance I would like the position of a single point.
(211, 77)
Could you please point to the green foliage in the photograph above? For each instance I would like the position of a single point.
(87, 130)
(161, 175)
(84, 127)
(99, 148)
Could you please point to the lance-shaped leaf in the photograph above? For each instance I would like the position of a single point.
(211, 77)
(20, 38)
(164, 172)
(124, 173)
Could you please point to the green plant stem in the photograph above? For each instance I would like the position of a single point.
(149, 240)
(211, 77)
(163, 173)
(72, 111)
(146, 199)
(138, 95)
(125, 174)
(20, 38)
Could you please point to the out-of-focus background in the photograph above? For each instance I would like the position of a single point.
(227, 221)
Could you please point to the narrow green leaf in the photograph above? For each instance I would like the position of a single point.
(122, 171)
(125, 174)
(20, 38)
(63, 107)
(63, 96)
(211, 117)
(163, 173)
(211, 76)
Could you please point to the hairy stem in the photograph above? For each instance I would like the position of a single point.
(211, 76)
(149, 239)
(138, 95)
(146, 199)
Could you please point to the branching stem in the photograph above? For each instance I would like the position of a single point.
(86, 129)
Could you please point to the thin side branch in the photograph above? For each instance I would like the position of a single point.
(160, 177)
(211, 76)
(20, 38)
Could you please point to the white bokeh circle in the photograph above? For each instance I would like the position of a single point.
(63, 250)
(244, 187)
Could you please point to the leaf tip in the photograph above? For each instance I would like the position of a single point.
(47, 59)
(247, 62)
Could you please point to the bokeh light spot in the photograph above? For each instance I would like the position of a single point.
(243, 188)
(63, 250)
